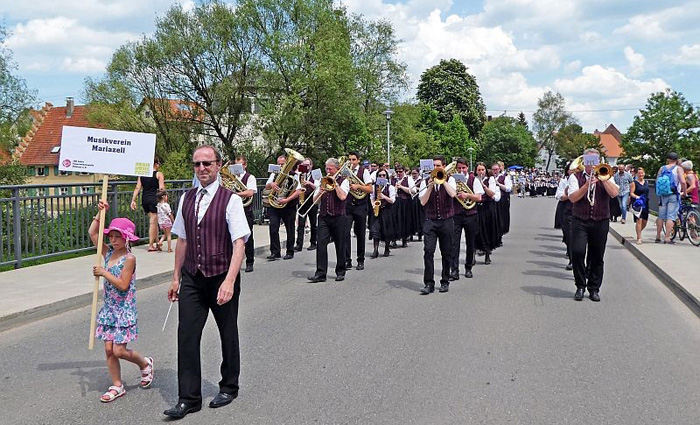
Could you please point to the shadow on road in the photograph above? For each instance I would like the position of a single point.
(549, 273)
(547, 291)
(405, 284)
(548, 263)
(557, 254)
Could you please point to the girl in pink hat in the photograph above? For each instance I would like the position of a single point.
(116, 321)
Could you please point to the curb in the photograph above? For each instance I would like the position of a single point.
(49, 310)
(692, 302)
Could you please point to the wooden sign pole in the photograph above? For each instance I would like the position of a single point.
(98, 262)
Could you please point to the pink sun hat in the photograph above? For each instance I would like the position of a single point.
(124, 226)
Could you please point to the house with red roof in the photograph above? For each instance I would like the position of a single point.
(611, 140)
(39, 150)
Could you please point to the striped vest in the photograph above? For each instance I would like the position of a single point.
(331, 205)
(440, 206)
(599, 211)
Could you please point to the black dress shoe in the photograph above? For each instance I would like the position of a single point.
(222, 399)
(487, 260)
(594, 296)
(316, 278)
(181, 409)
(273, 257)
(569, 266)
(375, 254)
(578, 296)
(288, 256)
(340, 278)
(348, 265)
(468, 274)
(248, 268)
(444, 287)
(453, 276)
(427, 289)
(297, 248)
(360, 265)
(311, 247)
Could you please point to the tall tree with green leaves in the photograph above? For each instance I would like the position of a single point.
(505, 139)
(571, 141)
(522, 120)
(668, 123)
(550, 117)
(450, 89)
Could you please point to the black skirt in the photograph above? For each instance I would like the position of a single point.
(383, 228)
(615, 210)
(418, 216)
(487, 239)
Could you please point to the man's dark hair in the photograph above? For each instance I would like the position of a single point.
(462, 161)
(354, 153)
(440, 158)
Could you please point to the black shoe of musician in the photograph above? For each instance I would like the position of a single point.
(360, 265)
(487, 260)
(386, 252)
(222, 399)
(248, 268)
(288, 257)
(454, 275)
(273, 257)
(594, 296)
(427, 289)
(340, 278)
(480, 253)
(468, 274)
(393, 244)
(311, 247)
(348, 265)
(180, 410)
(578, 296)
(297, 248)
(569, 266)
(444, 287)
(316, 278)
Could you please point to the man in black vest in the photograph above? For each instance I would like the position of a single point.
(251, 183)
(356, 210)
(465, 220)
(287, 214)
(438, 227)
(308, 186)
(589, 227)
(212, 232)
(331, 224)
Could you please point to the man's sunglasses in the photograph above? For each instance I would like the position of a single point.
(205, 163)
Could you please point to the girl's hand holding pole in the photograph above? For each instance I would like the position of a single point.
(98, 271)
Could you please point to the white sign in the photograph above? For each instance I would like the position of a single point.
(95, 150)
(236, 169)
(426, 165)
(317, 174)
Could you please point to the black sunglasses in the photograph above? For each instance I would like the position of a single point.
(205, 163)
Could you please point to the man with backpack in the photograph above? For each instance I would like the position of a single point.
(670, 184)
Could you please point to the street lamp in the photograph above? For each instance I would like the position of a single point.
(388, 113)
(471, 149)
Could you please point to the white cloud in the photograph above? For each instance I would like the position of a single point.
(687, 55)
(591, 37)
(644, 27)
(572, 66)
(635, 60)
(83, 65)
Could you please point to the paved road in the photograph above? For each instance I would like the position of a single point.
(509, 346)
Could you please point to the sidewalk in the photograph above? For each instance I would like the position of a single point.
(37, 292)
(677, 265)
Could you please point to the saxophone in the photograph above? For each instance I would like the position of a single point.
(377, 204)
(231, 182)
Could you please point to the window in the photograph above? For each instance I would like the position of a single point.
(41, 171)
(62, 173)
(56, 149)
(64, 190)
(84, 189)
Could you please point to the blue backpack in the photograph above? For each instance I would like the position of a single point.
(666, 182)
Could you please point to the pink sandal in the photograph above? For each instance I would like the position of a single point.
(112, 394)
(147, 374)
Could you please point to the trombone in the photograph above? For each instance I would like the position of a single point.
(328, 183)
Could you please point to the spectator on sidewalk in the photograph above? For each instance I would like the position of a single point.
(639, 191)
(149, 201)
(623, 180)
(670, 183)
(692, 181)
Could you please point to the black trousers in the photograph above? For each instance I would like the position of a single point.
(286, 215)
(331, 228)
(435, 231)
(587, 246)
(566, 231)
(356, 214)
(469, 224)
(250, 244)
(198, 296)
(313, 223)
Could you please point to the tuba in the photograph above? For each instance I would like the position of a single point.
(231, 182)
(284, 180)
(354, 179)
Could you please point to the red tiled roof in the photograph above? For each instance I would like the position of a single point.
(35, 148)
(611, 146)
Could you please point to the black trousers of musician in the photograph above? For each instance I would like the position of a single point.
(356, 214)
(437, 232)
(331, 228)
(566, 231)
(286, 215)
(504, 214)
(197, 296)
(313, 224)
(587, 246)
(250, 244)
(469, 224)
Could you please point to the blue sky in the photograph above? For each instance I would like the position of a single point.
(604, 57)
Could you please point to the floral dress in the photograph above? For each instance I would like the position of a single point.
(116, 321)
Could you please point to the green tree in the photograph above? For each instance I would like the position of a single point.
(505, 139)
(550, 117)
(450, 89)
(521, 119)
(571, 141)
(409, 142)
(668, 123)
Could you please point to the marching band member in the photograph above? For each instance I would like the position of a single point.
(418, 215)
(286, 215)
(495, 171)
(356, 211)
(505, 185)
(465, 221)
(383, 224)
(589, 228)
(251, 183)
(402, 206)
(562, 218)
(487, 239)
(309, 186)
(438, 227)
(331, 223)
